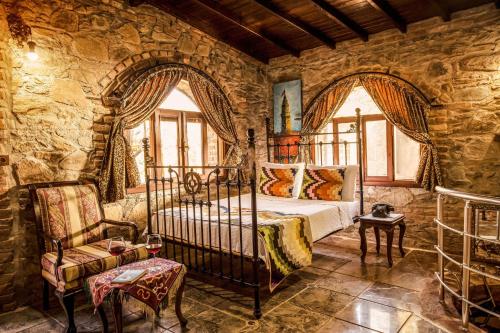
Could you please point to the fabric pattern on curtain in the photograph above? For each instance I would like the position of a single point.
(321, 111)
(406, 110)
(217, 111)
(119, 170)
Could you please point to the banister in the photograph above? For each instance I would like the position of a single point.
(469, 196)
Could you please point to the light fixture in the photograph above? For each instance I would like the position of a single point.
(31, 51)
(21, 33)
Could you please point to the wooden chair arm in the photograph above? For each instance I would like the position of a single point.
(57, 243)
(127, 224)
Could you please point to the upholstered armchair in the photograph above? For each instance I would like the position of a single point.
(72, 233)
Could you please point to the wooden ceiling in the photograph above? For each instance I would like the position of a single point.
(265, 29)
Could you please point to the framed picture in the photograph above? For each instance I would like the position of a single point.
(287, 99)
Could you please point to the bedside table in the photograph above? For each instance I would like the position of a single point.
(388, 225)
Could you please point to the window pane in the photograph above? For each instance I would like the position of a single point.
(212, 147)
(376, 148)
(349, 149)
(135, 139)
(179, 101)
(324, 153)
(406, 156)
(168, 137)
(195, 143)
(358, 98)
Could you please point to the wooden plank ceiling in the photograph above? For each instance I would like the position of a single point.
(265, 29)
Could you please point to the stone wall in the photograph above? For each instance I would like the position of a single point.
(456, 65)
(57, 122)
(7, 228)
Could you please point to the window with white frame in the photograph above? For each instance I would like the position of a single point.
(390, 157)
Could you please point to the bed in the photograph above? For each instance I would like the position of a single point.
(221, 226)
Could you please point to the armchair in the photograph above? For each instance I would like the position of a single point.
(72, 233)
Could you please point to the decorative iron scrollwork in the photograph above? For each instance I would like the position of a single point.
(192, 182)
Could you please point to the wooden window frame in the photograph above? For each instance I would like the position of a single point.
(388, 180)
(181, 117)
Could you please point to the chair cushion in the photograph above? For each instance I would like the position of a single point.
(70, 213)
(86, 260)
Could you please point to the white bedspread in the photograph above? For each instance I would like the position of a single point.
(325, 217)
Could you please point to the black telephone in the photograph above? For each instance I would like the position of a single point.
(382, 210)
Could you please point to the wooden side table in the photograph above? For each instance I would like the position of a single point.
(388, 225)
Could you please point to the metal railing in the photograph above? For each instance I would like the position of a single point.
(473, 205)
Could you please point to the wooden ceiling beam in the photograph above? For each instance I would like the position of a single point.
(298, 24)
(385, 9)
(443, 11)
(340, 18)
(171, 9)
(223, 12)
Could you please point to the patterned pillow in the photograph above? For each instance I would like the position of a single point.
(322, 184)
(277, 182)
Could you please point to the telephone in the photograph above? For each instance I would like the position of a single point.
(381, 210)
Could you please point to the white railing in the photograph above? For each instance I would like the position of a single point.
(473, 205)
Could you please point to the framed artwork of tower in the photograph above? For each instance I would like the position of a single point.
(287, 99)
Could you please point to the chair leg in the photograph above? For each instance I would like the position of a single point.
(45, 304)
(68, 304)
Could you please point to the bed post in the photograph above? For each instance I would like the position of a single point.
(360, 160)
(268, 131)
(255, 255)
(147, 161)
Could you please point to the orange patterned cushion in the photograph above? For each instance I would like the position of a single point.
(277, 182)
(322, 184)
(71, 213)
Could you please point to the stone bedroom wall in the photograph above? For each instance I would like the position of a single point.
(455, 64)
(56, 121)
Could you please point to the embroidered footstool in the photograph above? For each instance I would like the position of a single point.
(159, 287)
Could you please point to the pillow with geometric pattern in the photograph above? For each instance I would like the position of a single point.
(277, 182)
(322, 184)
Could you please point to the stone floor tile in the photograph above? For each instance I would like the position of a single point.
(189, 307)
(288, 318)
(49, 326)
(415, 272)
(211, 321)
(374, 316)
(321, 300)
(327, 262)
(21, 319)
(417, 324)
(340, 326)
(346, 284)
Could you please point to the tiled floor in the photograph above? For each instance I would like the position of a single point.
(336, 294)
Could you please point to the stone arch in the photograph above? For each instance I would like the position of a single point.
(115, 83)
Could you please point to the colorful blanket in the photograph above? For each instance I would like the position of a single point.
(158, 288)
(287, 238)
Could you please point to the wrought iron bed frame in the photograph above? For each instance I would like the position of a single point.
(168, 181)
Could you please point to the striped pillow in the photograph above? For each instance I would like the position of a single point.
(322, 184)
(277, 182)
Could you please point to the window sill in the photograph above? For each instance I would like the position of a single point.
(397, 183)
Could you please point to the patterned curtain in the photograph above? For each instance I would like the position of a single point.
(407, 111)
(217, 111)
(119, 170)
(321, 111)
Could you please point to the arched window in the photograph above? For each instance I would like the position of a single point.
(179, 134)
(390, 157)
